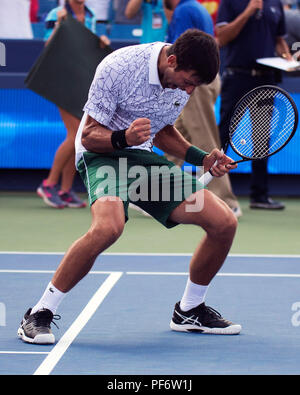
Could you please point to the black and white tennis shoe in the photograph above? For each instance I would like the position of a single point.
(36, 328)
(202, 319)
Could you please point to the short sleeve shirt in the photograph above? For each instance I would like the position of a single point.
(189, 14)
(154, 22)
(257, 39)
(126, 86)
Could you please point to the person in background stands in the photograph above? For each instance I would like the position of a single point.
(197, 121)
(15, 19)
(154, 22)
(101, 9)
(292, 18)
(64, 161)
(34, 9)
(248, 30)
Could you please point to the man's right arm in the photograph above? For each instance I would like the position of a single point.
(98, 138)
(229, 31)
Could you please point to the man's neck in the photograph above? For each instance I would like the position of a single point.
(162, 61)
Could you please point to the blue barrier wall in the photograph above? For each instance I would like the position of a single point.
(31, 130)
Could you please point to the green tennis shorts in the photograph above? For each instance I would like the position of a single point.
(143, 178)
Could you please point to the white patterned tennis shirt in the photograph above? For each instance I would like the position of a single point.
(126, 86)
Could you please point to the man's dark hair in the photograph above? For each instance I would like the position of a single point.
(198, 51)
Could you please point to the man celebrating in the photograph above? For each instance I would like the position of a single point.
(134, 100)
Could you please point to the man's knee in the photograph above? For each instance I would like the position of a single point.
(226, 224)
(110, 230)
(104, 234)
(108, 222)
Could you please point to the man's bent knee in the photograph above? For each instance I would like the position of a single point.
(107, 224)
(106, 231)
(225, 226)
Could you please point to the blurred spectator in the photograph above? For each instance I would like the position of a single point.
(292, 18)
(34, 10)
(63, 167)
(15, 19)
(292, 4)
(154, 21)
(247, 35)
(120, 17)
(101, 8)
(197, 121)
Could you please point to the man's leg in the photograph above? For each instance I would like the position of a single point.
(219, 223)
(108, 221)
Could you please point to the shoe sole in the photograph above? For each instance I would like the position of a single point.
(38, 339)
(234, 329)
(74, 205)
(262, 206)
(47, 201)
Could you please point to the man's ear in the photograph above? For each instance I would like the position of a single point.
(172, 61)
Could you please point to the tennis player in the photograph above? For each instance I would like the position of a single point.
(135, 97)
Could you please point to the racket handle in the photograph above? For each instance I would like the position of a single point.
(206, 178)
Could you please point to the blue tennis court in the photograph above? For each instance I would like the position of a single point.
(116, 320)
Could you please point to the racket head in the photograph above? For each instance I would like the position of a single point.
(263, 122)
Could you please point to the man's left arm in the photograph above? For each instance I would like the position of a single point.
(170, 140)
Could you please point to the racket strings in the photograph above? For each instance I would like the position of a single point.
(262, 123)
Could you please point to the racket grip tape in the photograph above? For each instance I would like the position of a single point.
(206, 178)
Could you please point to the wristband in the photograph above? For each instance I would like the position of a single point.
(118, 139)
(195, 156)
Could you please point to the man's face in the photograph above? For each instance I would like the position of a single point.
(184, 80)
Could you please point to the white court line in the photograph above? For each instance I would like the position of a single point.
(218, 274)
(48, 271)
(297, 256)
(60, 348)
(288, 275)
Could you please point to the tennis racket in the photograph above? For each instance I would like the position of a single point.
(263, 122)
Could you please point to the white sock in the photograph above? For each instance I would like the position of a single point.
(50, 299)
(194, 294)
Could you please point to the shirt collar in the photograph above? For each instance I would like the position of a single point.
(153, 69)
